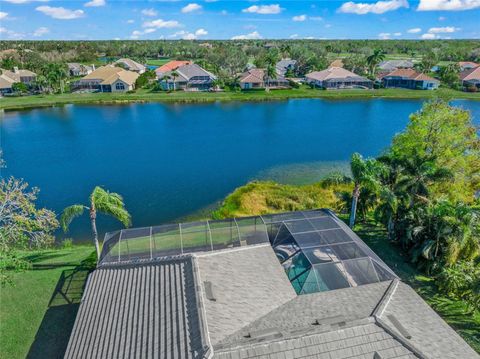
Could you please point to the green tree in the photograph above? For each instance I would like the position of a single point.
(270, 74)
(365, 174)
(20, 88)
(174, 75)
(100, 201)
(22, 225)
(374, 59)
(449, 75)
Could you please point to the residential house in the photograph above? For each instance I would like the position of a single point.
(75, 69)
(471, 78)
(108, 79)
(285, 65)
(257, 79)
(289, 285)
(337, 78)
(8, 78)
(6, 85)
(170, 66)
(189, 77)
(409, 79)
(467, 65)
(392, 65)
(131, 65)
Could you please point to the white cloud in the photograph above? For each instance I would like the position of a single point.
(299, 18)
(251, 36)
(442, 30)
(201, 32)
(191, 8)
(162, 24)
(60, 12)
(428, 36)
(414, 30)
(384, 35)
(293, 36)
(136, 34)
(95, 3)
(149, 30)
(130, 21)
(397, 34)
(442, 18)
(264, 9)
(186, 35)
(11, 34)
(379, 7)
(3, 15)
(41, 31)
(451, 5)
(149, 12)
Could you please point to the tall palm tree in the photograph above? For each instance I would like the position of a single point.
(174, 75)
(100, 201)
(270, 74)
(374, 59)
(365, 174)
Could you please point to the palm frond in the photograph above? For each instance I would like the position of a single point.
(110, 204)
(69, 214)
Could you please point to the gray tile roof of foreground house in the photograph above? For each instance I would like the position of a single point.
(237, 302)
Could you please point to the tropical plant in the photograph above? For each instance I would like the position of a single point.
(100, 201)
(270, 74)
(374, 59)
(365, 174)
(174, 75)
(450, 75)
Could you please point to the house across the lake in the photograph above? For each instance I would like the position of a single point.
(8, 78)
(471, 78)
(170, 66)
(76, 69)
(337, 78)
(467, 65)
(391, 65)
(409, 79)
(285, 65)
(131, 65)
(257, 79)
(189, 77)
(290, 285)
(107, 78)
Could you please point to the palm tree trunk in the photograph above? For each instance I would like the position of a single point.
(353, 212)
(93, 216)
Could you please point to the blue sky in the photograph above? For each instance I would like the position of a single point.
(217, 19)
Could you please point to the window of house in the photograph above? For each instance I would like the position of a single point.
(119, 86)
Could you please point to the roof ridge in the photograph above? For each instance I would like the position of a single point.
(385, 300)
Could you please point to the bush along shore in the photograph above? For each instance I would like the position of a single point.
(143, 95)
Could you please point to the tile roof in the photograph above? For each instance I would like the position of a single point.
(6, 82)
(410, 74)
(253, 76)
(109, 74)
(468, 64)
(333, 73)
(391, 65)
(142, 311)
(471, 74)
(186, 72)
(283, 65)
(17, 74)
(171, 65)
(247, 283)
(131, 64)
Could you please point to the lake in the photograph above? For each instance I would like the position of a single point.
(169, 161)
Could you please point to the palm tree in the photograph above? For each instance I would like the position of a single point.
(365, 174)
(101, 201)
(270, 74)
(174, 75)
(41, 82)
(374, 59)
(165, 78)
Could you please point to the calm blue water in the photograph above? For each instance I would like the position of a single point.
(169, 161)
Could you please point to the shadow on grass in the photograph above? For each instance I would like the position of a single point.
(52, 337)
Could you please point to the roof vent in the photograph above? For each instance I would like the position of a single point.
(209, 291)
(269, 333)
(377, 356)
(336, 320)
(399, 326)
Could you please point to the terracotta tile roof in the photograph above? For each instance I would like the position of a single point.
(468, 63)
(253, 76)
(172, 65)
(410, 74)
(471, 74)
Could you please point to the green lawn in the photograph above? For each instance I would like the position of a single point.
(37, 314)
(157, 62)
(12, 103)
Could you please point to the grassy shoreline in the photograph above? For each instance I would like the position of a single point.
(141, 96)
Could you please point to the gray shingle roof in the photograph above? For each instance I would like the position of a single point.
(141, 311)
(247, 283)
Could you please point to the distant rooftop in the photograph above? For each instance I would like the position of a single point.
(230, 289)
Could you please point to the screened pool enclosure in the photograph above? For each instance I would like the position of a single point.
(316, 249)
